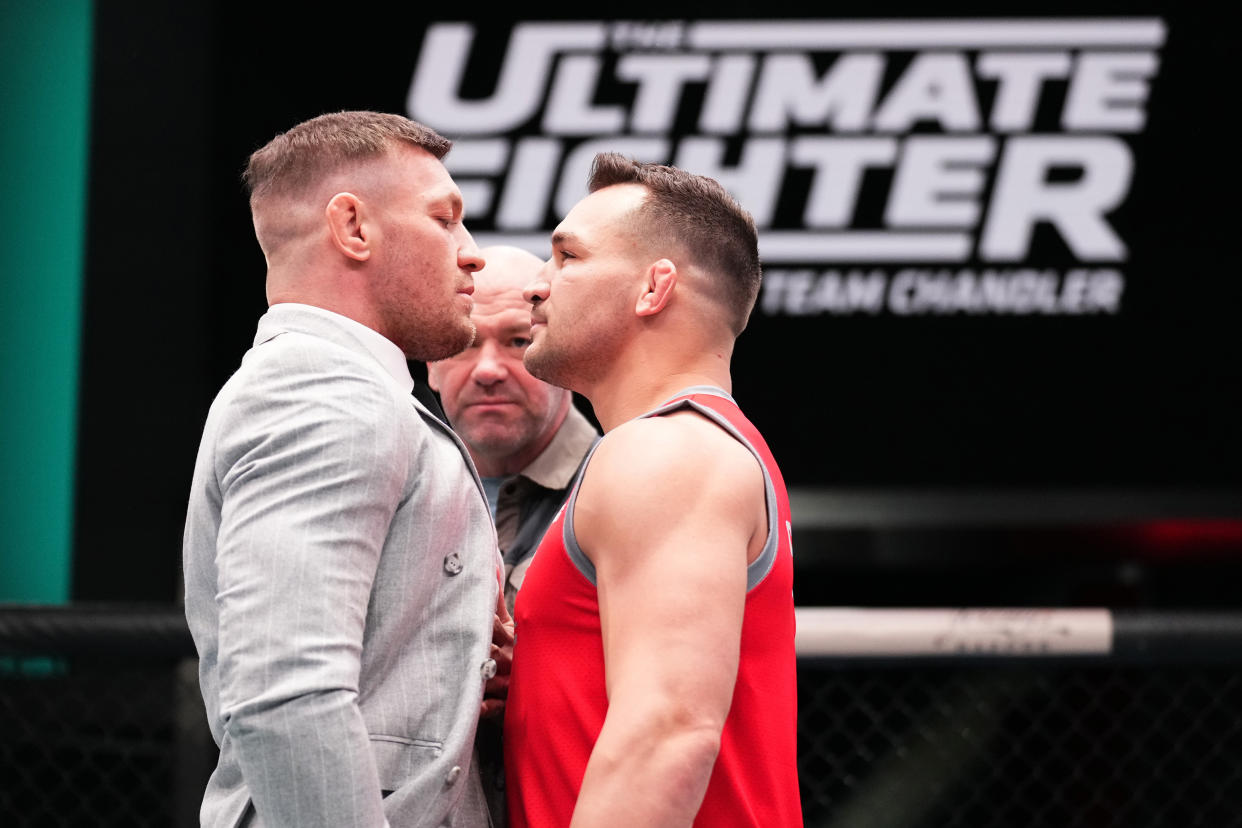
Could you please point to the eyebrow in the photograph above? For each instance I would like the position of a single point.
(453, 200)
(564, 237)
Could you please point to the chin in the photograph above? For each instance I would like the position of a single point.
(451, 342)
(463, 334)
(542, 365)
(497, 445)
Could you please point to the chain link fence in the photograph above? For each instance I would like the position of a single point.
(101, 724)
(86, 743)
(101, 721)
(1029, 744)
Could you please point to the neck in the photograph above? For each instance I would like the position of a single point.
(312, 292)
(637, 386)
(306, 272)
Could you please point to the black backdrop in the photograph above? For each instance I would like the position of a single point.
(1146, 399)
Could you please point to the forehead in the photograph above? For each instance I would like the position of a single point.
(413, 171)
(499, 285)
(605, 216)
(501, 306)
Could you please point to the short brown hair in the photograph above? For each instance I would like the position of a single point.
(702, 218)
(321, 145)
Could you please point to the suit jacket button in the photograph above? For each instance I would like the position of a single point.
(488, 669)
(453, 773)
(452, 563)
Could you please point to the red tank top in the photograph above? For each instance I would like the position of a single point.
(557, 701)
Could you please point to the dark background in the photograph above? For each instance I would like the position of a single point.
(947, 460)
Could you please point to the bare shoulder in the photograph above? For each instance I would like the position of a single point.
(681, 438)
(680, 461)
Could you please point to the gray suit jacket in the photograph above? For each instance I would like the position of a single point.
(340, 581)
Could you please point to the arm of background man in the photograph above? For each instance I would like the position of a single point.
(667, 514)
(311, 477)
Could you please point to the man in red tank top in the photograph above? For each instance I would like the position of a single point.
(654, 672)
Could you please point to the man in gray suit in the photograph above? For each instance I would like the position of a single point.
(341, 569)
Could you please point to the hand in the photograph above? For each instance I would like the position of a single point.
(496, 690)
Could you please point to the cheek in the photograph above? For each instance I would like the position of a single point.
(435, 375)
(450, 380)
(430, 249)
(537, 395)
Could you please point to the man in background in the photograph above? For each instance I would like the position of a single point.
(526, 437)
(341, 574)
(654, 672)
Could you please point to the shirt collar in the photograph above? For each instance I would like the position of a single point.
(555, 466)
(385, 351)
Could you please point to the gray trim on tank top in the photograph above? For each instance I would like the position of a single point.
(759, 568)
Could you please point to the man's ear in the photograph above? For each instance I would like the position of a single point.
(345, 215)
(661, 278)
(433, 376)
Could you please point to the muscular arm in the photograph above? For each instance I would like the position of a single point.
(310, 478)
(670, 513)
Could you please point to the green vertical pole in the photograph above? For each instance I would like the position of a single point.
(45, 68)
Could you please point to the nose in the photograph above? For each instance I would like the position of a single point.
(537, 290)
(489, 368)
(469, 257)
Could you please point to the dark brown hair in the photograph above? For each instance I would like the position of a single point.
(323, 144)
(699, 216)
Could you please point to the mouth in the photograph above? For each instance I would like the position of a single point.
(484, 406)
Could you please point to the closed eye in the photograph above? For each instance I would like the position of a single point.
(447, 209)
